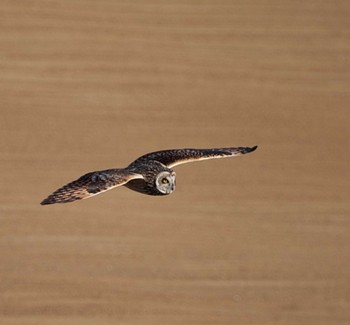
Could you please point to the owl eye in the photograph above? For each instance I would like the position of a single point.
(165, 181)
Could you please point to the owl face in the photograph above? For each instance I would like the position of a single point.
(165, 182)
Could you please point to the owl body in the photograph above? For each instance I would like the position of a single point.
(157, 178)
(149, 174)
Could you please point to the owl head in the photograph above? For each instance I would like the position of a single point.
(165, 182)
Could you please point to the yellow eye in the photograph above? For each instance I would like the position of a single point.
(165, 181)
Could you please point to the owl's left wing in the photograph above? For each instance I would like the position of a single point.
(91, 184)
(174, 157)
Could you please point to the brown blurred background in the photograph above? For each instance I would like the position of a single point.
(259, 239)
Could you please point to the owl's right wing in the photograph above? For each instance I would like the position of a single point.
(174, 157)
(91, 184)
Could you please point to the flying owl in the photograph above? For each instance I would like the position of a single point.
(150, 174)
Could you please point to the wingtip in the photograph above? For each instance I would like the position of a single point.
(49, 200)
(244, 150)
(53, 199)
(45, 202)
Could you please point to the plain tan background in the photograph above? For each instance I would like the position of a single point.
(259, 239)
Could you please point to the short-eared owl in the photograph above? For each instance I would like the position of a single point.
(150, 174)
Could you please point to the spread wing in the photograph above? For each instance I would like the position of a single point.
(174, 157)
(91, 184)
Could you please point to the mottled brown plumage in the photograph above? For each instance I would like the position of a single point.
(149, 174)
(174, 157)
(91, 184)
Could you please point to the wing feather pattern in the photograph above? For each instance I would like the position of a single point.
(91, 184)
(174, 157)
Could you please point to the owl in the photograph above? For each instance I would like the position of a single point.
(149, 174)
